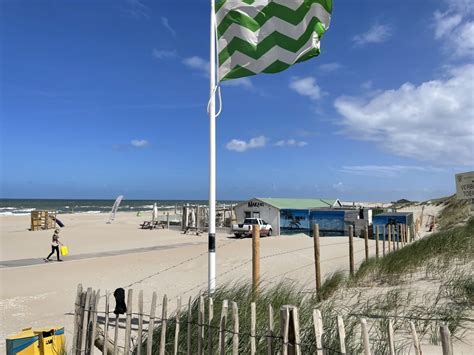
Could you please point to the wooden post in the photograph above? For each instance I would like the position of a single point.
(198, 222)
(366, 242)
(446, 340)
(394, 241)
(222, 326)
(284, 328)
(176, 329)
(77, 314)
(351, 250)
(294, 335)
(377, 251)
(128, 322)
(94, 321)
(317, 258)
(188, 336)
(200, 325)
(389, 237)
(399, 230)
(210, 317)
(235, 336)
(270, 333)
(391, 338)
(151, 325)
(416, 341)
(106, 323)
(253, 321)
(342, 335)
(167, 220)
(164, 324)
(383, 242)
(318, 331)
(116, 333)
(365, 336)
(255, 257)
(85, 321)
(140, 323)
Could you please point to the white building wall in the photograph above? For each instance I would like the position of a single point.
(267, 212)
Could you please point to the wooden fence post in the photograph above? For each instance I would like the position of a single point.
(416, 341)
(85, 321)
(77, 314)
(176, 329)
(365, 336)
(94, 321)
(284, 328)
(209, 323)
(389, 237)
(167, 220)
(391, 338)
(255, 257)
(235, 336)
(106, 323)
(446, 340)
(222, 326)
(128, 322)
(253, 321)
(318, 331)
(399, 230)
(151, 325)
(270, 331)
(383, 241)
(377, 236)
(351, 250)
(188, 336)
(342, 335)
(366, 243)
(140, 322)
(294, 334)
(164, 324)
(116, 333)
(317, 258)
(200, 325)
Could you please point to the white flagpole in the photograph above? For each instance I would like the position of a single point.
(212, 159)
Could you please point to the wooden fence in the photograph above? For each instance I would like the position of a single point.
(146, 333)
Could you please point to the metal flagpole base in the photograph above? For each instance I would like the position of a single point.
(212, 263)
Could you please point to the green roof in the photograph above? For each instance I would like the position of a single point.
(299, 203)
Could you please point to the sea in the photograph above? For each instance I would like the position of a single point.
(20, 207)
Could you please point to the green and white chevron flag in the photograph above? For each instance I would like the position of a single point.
(268, 36)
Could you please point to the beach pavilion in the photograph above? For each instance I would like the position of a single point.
(297, 215)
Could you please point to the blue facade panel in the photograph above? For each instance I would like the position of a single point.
(294, 221)
(383, 221)
(331, 223)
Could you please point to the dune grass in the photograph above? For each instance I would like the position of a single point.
(451, 302)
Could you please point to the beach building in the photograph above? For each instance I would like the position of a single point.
(382, 220)
(292, 216)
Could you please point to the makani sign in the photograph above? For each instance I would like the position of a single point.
(465, 186)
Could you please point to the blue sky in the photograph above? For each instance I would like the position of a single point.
(100, 98)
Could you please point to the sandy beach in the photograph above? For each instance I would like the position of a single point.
(108, 256)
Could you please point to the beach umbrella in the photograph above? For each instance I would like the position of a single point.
(155, 212)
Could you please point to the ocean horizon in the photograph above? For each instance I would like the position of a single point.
(19, 207)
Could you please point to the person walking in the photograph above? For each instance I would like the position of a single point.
(55, 246)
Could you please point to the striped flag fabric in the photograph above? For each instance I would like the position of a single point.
(268, 36)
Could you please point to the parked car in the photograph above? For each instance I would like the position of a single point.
(245, 229)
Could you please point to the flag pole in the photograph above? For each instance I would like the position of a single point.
(212, 159)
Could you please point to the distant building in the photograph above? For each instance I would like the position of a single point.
(291, 216)
(383, 220)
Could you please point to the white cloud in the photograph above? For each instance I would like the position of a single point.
(166, 24)
(330, 67)
(367, 85)
(242, 146)
(455, 28)
(386, 170)
(136, 9)
(339, 187)
(164, 54)
(139, 143)
(291, 143)
(245, 83)
(197, 63)
(306, 87)
(376, 34)
(430, 122)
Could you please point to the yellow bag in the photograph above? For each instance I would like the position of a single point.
(64, 250)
